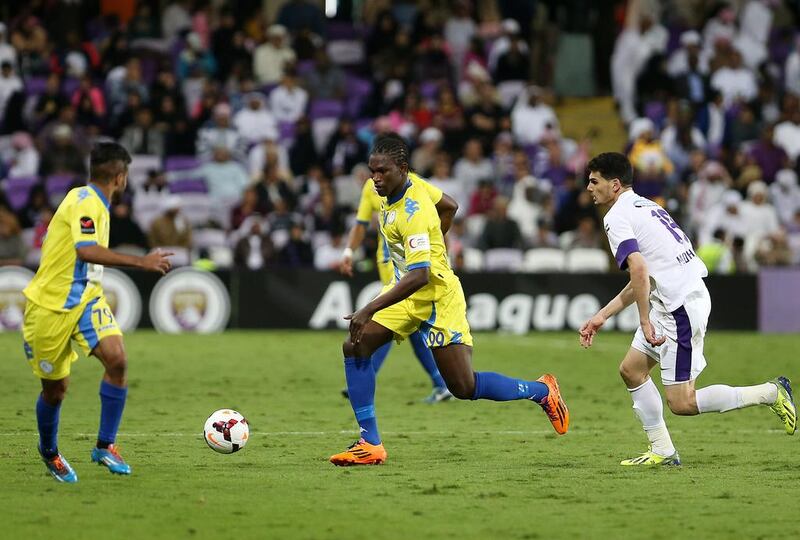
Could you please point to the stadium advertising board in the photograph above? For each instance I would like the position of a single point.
(12, 302)
(189, 300)
(123, 298)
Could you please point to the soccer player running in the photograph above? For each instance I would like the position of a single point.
(666, 283)
(426, 295)
(65, 302)
(370, 204)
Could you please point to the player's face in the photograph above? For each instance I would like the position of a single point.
(603, 190)
(386, 175)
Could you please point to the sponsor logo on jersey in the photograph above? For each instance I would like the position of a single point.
(418, 242)
(87, 225)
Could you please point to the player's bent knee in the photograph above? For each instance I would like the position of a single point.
(681, 407)
(348, 349)
(54, 392)
(632, 376)
(462, 388)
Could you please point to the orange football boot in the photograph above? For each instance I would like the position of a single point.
(360, 453)
(554, 405)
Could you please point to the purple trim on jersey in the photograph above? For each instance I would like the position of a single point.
(626, 247)
(683, 359)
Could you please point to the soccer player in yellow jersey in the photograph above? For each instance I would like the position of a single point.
(369, 205)
(65, 303)
(425, 295)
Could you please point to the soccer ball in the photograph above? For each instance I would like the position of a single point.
(226, 431)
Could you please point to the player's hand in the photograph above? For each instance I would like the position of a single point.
(157, 261)
(650, 334)
(589, 329)
(358, 321)
(346, 266)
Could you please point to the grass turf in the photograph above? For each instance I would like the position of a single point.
(455, 470)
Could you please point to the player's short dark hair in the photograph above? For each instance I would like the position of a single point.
(108, 159)
(393, 145)
(612, 165)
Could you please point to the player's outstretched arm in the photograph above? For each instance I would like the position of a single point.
(354, 240)
(155, 261)
(617, 304)
(447, 208)
(410, 283)
(640, 282)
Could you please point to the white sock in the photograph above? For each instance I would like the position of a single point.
(649, 409)
(722, 398)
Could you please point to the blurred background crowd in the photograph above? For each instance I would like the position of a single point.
(250, 122)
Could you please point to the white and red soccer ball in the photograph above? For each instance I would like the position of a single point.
(226, 431)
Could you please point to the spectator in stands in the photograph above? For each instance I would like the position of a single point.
(29, 38)
(785, 194)
(172, 229)
(328, 256)
(288, 101)
(61, 155)
(12, 246)
(226, 179)
(75, 58)
(686, 59)
(760, 216)
(705, 193)
(325, 80)
(525, 207)
(10, 83)
(744, 127)
(246, 208)
(255, 122)
(31, 212)
(195, 60)
(735, 81)
(297, 252)
(545, 237)
(482, 199)
(328, 215)
(271, 58)
(179, 134)
(50, 102)
(503, 158)
(473, 166)
(500, 231)
(459, 30)
(487, 117)
(787, 133)
(254, 248)
(150, 198)
(220, 132)
(774, 250)
(769, 157)
(587, 235)
(650, 163)
(503, 44)
(531, 118)
(267, 150)
(424, 156)
(122, 81)
(727, 216)
(23, 158)
(432, 61)
(142, 137)
(143, 25)
(124, 231)
(175, 19)
(514, 64)
(7, 51)
(344, 150)
(449, 119)
(296, 15)
(273, 188)
(87, 90)
(716, 254)
(303, 152)
(792, 70)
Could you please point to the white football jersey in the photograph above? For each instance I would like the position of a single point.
(637, 224)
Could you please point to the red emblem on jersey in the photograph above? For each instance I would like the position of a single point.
(87, 225)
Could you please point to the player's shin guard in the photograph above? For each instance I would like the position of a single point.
(112, 403)
(497, 387)
(425, 357)
(722, 398)
(379, 356)
(361, 389)
(47, 420)
(649, 409)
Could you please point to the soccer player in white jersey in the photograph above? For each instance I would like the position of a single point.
(666, 283)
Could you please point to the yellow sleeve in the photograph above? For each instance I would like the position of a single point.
(420, 219)
(433, 192)
(367, 204)
(84, 219)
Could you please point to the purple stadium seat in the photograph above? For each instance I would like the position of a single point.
(286, 130)
(341, 30)
(69, 85)
(35, 86)
(189, 185)
(429, 90)
(325, 108)
(56, 185)
(304, 66)
(268, 88)
(657, 112)
(358, 90)
(18, 189)
(181, 163)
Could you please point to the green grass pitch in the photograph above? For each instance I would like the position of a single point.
(455, 470)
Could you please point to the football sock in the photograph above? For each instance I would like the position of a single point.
(649, 409)
(380, 355)
(112, 403)
(723, 398)
(425, 357)
(497, 387)
(47, 419)
(361, 388)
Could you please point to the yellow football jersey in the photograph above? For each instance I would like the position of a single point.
(370, 204)
(64, 281)
(410, 226)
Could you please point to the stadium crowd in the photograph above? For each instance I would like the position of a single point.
(250, 136)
